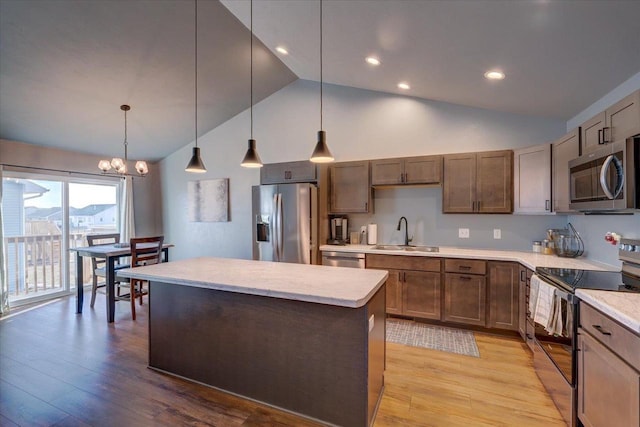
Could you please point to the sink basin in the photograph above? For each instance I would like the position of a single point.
(409, 248)
(389, 247)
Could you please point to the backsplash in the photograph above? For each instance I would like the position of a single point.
(422, 206)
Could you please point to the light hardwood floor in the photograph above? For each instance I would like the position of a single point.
(57, 368)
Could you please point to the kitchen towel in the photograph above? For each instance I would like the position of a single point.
(372, 234)
(544, 301)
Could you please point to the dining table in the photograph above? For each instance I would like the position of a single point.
(110, 253)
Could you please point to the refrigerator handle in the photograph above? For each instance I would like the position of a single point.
(280, 228)
(274, 228)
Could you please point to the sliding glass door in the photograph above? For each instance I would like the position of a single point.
(44, 216)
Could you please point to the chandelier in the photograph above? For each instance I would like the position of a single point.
(118, 164)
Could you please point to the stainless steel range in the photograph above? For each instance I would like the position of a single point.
(556, 326)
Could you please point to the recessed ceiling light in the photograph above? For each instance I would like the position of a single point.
(282, 50)
(372, 60)
(404, 86)
(494, 75)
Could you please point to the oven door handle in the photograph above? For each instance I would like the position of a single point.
(611, 159)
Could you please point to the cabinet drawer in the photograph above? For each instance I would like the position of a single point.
(402, 262)
(467, 266)
(619, 339)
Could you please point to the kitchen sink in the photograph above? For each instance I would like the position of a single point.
(409, 248)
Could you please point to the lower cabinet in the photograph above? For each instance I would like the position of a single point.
(465, 299)
(608, 371)
(413, 286)
(504, 295)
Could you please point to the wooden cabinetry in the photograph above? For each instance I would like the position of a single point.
(504, 294)
(620, 121)
(409, 170)
(478, 182)
(608, 371)
(278, 173)
(349, 188)
(562, 151)
(465, 292)
(413, 286)
(532, 179)
(522, 302)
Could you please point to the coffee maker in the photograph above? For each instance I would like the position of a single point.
(338, 231)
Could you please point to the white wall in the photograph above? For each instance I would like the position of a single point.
(360, 124)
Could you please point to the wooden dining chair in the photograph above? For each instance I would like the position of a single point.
(98, 265)
(144, 251)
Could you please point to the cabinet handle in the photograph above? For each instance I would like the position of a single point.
(366, 206)
(406, 179)
(478, 205)
(401, 177)
(522, 276)
(473, 206)
(602, 331)
(604, 134)
(547, 205)
(599, 136)
(465, 278)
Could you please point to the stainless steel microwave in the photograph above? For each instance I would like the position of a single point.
(607, 179)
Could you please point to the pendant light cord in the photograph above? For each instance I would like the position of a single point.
(320, 64)
(196, 69)
(125, 137)
(251, 72)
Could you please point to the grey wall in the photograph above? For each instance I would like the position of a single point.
(360, 125)
(147, 198)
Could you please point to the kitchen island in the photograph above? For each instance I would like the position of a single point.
(305, 338)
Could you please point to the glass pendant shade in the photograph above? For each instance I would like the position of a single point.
(195, 164)
(117, 163)
(322, 154)
(104, 165)
(251, 159)
(141, 167)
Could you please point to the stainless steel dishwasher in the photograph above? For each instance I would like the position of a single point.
(343, 259)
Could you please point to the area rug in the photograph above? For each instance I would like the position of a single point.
(430, 336)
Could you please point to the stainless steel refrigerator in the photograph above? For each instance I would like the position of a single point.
(285, 223)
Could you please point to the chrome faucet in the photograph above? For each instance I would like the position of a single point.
(406, 230)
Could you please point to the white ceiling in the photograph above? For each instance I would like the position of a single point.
(66, 66)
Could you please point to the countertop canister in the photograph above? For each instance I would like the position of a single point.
(372, 234)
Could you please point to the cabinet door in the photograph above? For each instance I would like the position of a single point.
(459, 183)
(350, 191)
(503, 295)
(278, 173)
(523, 302)
(532, 179)
(564, 149)
(465, 298)
(421, 294)
(494, 182)
(591, 133)
(423, 170)
(623, 118)
(387, 172)
(608, 388)
(394, 292)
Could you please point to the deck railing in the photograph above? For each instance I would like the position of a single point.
(34, 263)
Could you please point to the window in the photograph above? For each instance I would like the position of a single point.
(43, 217)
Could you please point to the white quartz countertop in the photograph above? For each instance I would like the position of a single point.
(621, 306)
(346, 287)
(528, 259)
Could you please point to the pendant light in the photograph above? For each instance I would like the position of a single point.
(251, 159)
(117, 163)
(321, 153)
(195, 164)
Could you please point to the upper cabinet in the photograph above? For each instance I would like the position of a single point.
(349, 188)
(563, 150)
(532, 179)
(280, 173)
(478, 182)
(405, 171)
(620, 121)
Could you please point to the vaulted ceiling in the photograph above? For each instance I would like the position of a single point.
(66, 66)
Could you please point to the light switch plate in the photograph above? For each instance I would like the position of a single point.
(497, 233)
(463, 233)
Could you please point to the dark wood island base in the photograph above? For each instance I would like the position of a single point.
(321, 361)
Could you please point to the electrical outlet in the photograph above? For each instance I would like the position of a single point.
(463, 233)
(497, 233)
